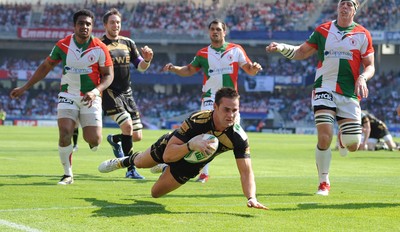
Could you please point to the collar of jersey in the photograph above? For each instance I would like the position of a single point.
(84, 44)
(222, 48)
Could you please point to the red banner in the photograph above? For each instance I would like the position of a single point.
(3, 74)
(56, 33)
(25, 123)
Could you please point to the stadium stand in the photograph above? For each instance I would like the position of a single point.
(176, 29)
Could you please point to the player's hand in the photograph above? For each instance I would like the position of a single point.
(272, 47)
(255, 67)
(398, 110)
(168, 67)
(88, 98)
(361, 88)
(253, 203)
(197, 143)
(15, 93)
(147, 53)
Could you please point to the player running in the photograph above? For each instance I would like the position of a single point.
(87, 71)
(342, 46)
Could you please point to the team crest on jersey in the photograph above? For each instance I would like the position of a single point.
(353, 42)
(91, 58)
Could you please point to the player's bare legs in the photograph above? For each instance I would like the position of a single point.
(92, 135)
(66, 128)
(165, 184)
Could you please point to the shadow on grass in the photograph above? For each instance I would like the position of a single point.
(109, 209)
(350, 206)
(52, 179)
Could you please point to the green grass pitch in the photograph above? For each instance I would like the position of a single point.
(365, 192)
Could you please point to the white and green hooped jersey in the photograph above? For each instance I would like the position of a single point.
(340, 53)
(220, 67)
(81, 63)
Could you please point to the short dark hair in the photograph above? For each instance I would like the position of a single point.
(216, 21)
(83, 12)
(226, 92)
(112, 11)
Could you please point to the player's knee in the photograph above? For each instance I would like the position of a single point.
(122, 118)
(136, 137)
(324, 139)
(351, 135)
(155, 193)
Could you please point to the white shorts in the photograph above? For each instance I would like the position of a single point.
(345, 107)
(70, 106)
(207, 103)
(386, 138)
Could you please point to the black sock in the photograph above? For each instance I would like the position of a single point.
(131, 160)
(127, 144)
(116, 138)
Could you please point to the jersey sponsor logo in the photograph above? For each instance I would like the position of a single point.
(323, 95)
(65, 100)
(338, 54)
(73, 70)
(121, 60)
(220, 71)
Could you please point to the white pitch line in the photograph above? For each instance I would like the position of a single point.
(17, 226)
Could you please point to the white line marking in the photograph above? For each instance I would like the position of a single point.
(17, 226)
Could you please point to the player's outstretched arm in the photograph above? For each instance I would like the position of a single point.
(40, 73)
(248, 183)
(183, 71)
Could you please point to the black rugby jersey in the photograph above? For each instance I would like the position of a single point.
(233, 138)
(123, 52)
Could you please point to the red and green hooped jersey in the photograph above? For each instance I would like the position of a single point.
(80, 63)
(340, 53)
(220, 66)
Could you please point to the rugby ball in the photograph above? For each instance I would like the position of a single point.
(198, 157)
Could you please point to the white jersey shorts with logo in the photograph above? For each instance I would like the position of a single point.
(346, 107)
(71, 106)
(207, 103)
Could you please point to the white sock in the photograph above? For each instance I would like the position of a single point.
(323, 162)
(205, 169)
(66, 158)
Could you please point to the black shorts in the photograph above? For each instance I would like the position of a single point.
(117, 102)
(181, 170)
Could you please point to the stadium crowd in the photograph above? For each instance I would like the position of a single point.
(378, 15)
(191, 17)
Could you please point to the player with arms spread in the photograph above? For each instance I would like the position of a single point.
(87, 71)
(342, 46)
(220, 62)
(172, 147)
(118, 102)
